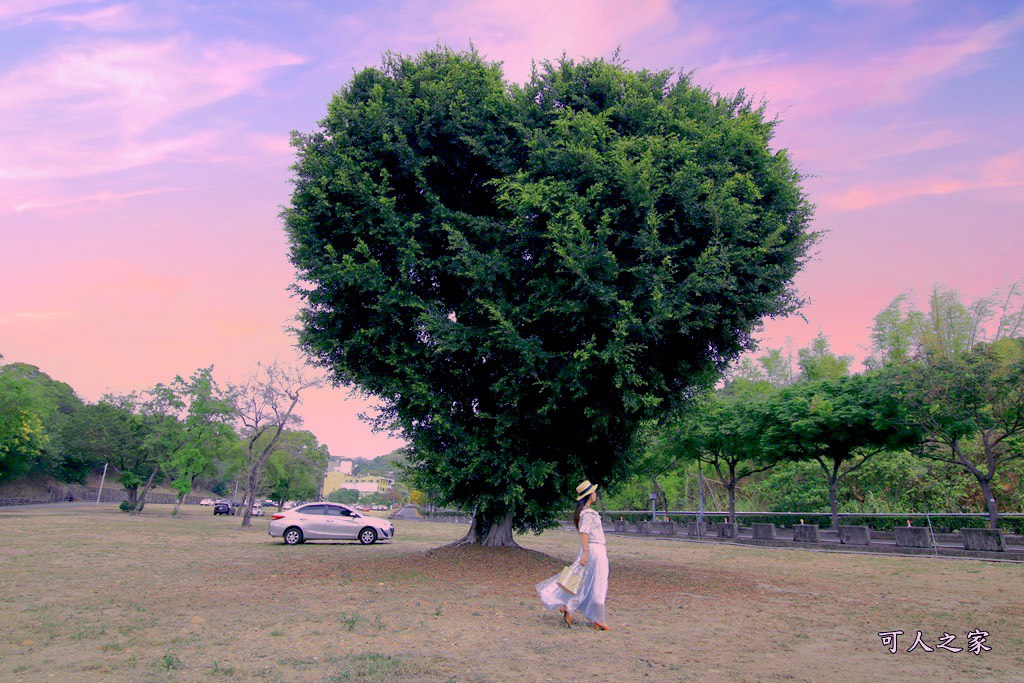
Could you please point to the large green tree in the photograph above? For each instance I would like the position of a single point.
(112, 431)
(839, 423)
(295, 470)
(201, 413)
(23, 440)
(521, 275)
(968, 410)
(33, 406)
(187, 425)
(724, 431)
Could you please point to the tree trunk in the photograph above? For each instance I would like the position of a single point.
(732, 501)
(990, 503)
(145, 489)
(248, 496)
(491, 531)
(181, 497)
(731, 487)
(833, 499)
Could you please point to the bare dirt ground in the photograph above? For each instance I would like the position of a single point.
(91, 594)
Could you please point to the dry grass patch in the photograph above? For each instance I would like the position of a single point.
(94, 595)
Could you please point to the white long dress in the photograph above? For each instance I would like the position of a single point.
(589, 601)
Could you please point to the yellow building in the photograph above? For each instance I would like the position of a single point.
(343, 480)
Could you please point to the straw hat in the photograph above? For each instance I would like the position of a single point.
(585, 489)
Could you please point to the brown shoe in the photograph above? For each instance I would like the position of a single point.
(598, 626)
(566, 616)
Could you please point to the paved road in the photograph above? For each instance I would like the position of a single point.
(63, 504)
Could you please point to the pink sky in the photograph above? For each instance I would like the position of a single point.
(144, 158)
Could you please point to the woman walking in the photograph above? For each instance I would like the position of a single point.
(589, 600)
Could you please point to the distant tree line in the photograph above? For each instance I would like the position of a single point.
(934, 422)
(239, 439)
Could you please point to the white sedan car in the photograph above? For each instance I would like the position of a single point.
(328, 521)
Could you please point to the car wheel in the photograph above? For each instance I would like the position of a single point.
(293, 535)
(367, 536)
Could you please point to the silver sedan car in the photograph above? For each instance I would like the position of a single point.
(328, 521)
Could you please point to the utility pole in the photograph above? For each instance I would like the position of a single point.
(700, 486)
(104, 479)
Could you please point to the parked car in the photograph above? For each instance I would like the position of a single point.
(206, 501)
(222, 507)
(257, 510)
(328, 521)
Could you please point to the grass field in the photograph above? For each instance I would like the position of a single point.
(91, 594)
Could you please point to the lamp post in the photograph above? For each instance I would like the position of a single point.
(654, 501)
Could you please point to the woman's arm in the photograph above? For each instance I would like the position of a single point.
(585, 540)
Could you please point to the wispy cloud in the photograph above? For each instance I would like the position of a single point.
(24, 11)
(96, 108)
(838, 82)
(953, 53)
(111, 18)
(998, 173)
(97, 198)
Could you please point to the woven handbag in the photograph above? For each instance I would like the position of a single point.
(570, 578)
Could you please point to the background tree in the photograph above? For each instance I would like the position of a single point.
(948, 328)
(113, 432)
(345, 496)
(187, 423)
(204, 415)
(265, 407)
(22, 438)
(896, 334)
(659, 457)
(295, 470)
(37, 404)
(773, 365)
(523, 275)
(969, 410)
(839, 423)
(817, 361)
(725, 432)
(381, 466)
